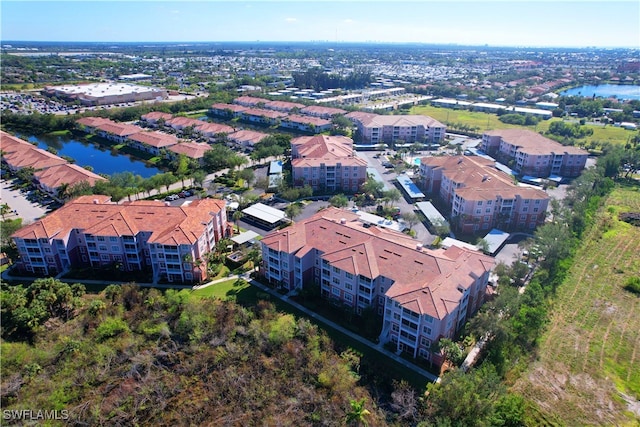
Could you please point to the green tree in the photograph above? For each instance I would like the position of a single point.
(357, 413)
(339, 201)
(293, 210)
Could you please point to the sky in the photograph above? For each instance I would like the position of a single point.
(539, 23)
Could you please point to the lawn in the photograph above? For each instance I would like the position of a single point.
(486, 121)
(233, 290)
(589, 357)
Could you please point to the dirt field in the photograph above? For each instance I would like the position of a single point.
(588, 372)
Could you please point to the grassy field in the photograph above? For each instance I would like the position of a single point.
(588, 370)
(486, 121)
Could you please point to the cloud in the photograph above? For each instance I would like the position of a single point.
(348, 21)
(291, 19)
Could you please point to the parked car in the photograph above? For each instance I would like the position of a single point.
(171, 197)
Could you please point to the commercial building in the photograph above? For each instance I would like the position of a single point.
(106, 93)
(326, 163)
(422, 294)
(479, 196)
(381, 129)
(530, 153)
(91, 231)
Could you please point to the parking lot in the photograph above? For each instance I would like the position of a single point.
(19, 204)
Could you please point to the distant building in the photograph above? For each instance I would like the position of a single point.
(106, 93)
(245, 139)
(327, 163)
(530, 153)
(90, 231)
(382, 129)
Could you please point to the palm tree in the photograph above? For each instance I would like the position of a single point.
(4, 209)
(237, 216)
(356, 416)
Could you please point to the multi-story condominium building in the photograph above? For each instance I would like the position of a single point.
(322, 112)
(480, 196)
(305, 123)
(54, 178)
(326, 163)
(18, 154)
(530, 153)
(227, 110)
(155, 117)
(422, 294)
(245, 139)
(152, 142)
(380, 129)
(193, 150)
(91, 231)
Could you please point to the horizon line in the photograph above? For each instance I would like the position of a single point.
(332, 42)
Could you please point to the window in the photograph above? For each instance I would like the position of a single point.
(425, 342)
(396, 316)
(489, 202)
(349, 275)
(478, 211)
(113, 238)
(335, 291)
(100, 238)
(102, 247)
(115, 248)
(348, 297)
(336, 270)
(427, 330)
(488, 210)
(336, 280)
(525, 209)
(535, 209)
(348, 286)
(395, 327)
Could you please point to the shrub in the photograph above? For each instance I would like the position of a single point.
(111, 327)
(633, 285)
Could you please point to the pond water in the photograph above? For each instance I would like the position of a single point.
(623, 92)
(101, 159)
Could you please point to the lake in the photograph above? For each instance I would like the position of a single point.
(101, 159)
(622, 92)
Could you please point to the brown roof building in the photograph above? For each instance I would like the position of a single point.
(327, 163)
(422, 294)
(480, 196)
(90, 231)
(51, 179)
(533, 154)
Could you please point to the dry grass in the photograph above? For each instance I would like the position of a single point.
(588, 370)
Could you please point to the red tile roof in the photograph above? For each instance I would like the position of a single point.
(55, 176)
(209, 128)
(193, 150)
(120, 129)
(425, 281)
(154, 139)
(480, 179)
(156, 115)
(21, 154)
(232, 107)
(248, 136)
(171, 225)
